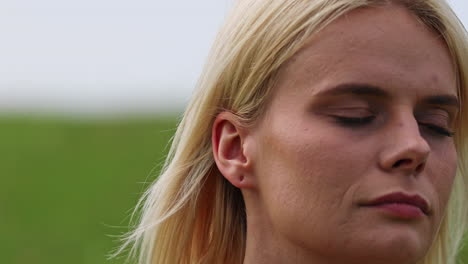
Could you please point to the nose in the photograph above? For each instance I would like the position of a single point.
(405, 150)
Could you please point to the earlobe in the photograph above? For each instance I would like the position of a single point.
(228, 139)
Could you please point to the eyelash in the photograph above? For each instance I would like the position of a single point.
(362, 121)
(437, 129)
(354, 121)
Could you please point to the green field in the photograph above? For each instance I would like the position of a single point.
(68, 186)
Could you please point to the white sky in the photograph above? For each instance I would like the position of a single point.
(87, 56)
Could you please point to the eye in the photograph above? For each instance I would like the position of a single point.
(436, 122)
(354, 121)
(437, 130)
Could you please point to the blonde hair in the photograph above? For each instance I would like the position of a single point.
(191, 214)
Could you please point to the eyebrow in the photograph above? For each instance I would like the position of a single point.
(371, 90)
(355, 89)
(448, 100)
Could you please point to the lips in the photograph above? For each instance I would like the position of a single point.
(402, 198)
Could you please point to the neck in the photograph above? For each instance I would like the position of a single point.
(265, 245)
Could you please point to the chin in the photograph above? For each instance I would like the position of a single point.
(396, 246)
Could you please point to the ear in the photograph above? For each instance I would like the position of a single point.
(229, 150)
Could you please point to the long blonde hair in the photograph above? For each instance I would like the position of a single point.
(191, 214)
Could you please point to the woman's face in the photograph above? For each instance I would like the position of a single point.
(364, 110)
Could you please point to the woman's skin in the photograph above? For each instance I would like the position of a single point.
(365, 109)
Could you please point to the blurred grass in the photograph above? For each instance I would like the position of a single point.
(68, 186)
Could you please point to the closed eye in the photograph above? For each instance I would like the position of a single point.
(354, 121)
(438, 130)
(362, 121)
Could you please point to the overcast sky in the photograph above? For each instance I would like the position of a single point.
(108, 55)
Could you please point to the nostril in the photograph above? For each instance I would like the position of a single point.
(401, 162)
(420, 168)
(409, 163)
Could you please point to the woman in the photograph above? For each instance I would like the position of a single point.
(322, 131)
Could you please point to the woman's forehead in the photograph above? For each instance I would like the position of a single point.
(385, 46)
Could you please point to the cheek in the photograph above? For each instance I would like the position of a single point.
(306, 177)
(297, 165)
(441, 170)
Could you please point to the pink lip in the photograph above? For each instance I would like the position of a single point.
(401, 205)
